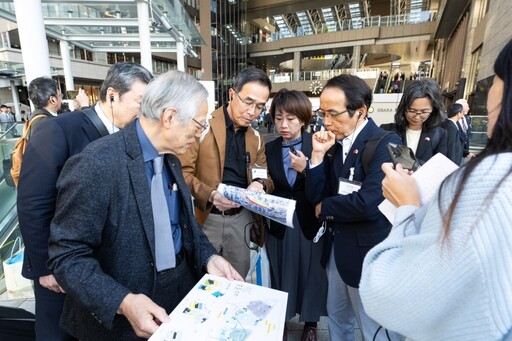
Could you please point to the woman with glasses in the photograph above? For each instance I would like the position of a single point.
(418, 120)
(294, 258)
(443, 273)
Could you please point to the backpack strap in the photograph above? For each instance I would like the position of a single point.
(27, 129)
(93, 116)
(371, 146)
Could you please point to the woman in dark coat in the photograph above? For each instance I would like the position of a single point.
(294, 258)
(418, 120)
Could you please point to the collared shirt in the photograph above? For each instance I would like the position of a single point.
(149, 153)
(235, 166)
(105, 120)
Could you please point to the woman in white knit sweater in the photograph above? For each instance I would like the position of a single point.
(445, 271)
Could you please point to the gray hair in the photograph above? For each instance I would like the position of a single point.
(121, 77)
(174, 89)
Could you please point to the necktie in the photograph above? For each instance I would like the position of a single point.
(164, 245)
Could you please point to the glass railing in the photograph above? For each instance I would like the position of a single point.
(8, 216)
(284, 77)
(478, 138)
(350, 24)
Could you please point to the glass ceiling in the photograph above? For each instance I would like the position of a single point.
(112, 26)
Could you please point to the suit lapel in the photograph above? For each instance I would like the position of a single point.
(139, 182)
(424, 143)
(218, 127)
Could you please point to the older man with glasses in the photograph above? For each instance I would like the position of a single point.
(226, 153)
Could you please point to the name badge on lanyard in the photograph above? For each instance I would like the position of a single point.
(348, 186)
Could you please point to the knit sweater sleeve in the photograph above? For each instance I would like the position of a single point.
(427, 287)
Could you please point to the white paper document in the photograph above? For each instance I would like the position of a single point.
(222, 310)
(270, 206)
(428, 177)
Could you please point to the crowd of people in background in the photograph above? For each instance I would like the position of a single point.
(439, 271)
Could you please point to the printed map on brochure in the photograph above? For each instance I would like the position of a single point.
(222, 310)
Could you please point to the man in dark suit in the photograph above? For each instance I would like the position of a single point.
(54, 142)
(464, 125)
(346, 197)
(456, 139)
(104, 245)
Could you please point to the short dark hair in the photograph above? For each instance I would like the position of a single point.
(293, 102)
(40, 90)
(454, 109)
(121, 77)
(420, 89)
(357, 92)
(251, 74)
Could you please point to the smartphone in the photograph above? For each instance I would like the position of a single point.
(294, 151)
(403, 155)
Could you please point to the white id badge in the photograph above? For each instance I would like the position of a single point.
(348, 186)
(258, 172)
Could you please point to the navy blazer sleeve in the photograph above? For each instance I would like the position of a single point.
(42, 163)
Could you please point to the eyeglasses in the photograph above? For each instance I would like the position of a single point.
(203, 126)
(58, 95)
(329, 114)
(414, 112)
(258, 108)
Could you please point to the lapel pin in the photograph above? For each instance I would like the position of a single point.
(356, 151)
(427, 138)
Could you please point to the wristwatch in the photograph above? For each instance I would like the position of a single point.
(262, 182)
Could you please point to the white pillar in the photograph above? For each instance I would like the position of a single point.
(66, 64)
(15, 99)
(296, 66)
(356, 56)
(29, 17)
(180, 55)
(144, 36)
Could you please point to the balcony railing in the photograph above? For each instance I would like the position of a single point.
(350, 24)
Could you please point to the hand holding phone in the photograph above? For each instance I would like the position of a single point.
(294, 151)
(403, 155)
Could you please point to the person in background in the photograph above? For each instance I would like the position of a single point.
(443, 273)
(346, 197)
(294, 258)
(139, 261)
(225, 153)
(455, 138)
(46, 98)
(51, 145)
(465, 127)
(418, 119)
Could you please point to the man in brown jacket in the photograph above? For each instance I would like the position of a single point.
(228, 151)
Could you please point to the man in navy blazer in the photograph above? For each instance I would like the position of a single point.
(346, 197)
(54, 142)
(103, 237)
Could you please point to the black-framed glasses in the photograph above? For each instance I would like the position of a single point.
(258, 108)
(422, 113)
(330, 113)
(203, 126)
(59, 95)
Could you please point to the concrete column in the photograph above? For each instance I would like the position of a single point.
(15, 99)
(205, 30)
(356, 56)
(180, 55)
(29, 17)
(296, 66)
(66, 64)
(145, 38)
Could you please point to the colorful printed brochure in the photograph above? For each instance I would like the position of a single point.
(222, 310)
(270, 206)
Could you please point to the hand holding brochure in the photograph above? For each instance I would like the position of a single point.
(270, 206)
(428, 178)
(219, 309)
